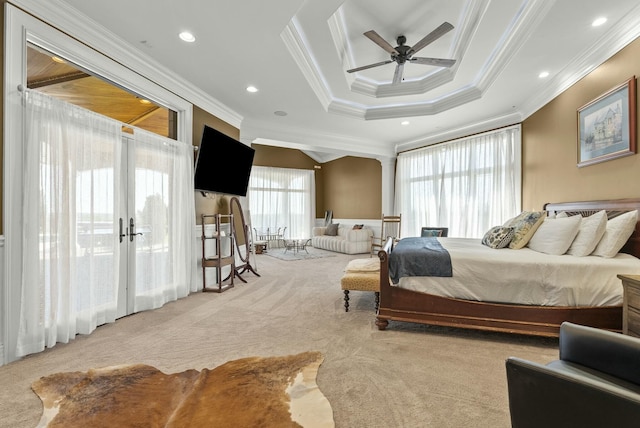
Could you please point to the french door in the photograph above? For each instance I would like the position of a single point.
(147, 276)
(114, 230)
(129, 268)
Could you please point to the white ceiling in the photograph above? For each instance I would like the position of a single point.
(297, 52)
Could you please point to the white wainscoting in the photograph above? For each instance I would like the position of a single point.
(3, 297)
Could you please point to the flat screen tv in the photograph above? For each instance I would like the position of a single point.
(223, 164)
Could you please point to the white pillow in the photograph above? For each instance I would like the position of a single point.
(555, 235)
(619, 229)
(589, 234)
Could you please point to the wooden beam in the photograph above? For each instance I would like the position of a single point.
(56, 80)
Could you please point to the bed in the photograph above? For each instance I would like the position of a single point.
(515, 311)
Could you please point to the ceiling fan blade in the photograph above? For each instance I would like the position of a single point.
(397, 76)
(438, 62)
(375, 38)
(443, 29)
(364, 67)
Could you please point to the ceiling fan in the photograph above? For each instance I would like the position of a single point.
(402, 53)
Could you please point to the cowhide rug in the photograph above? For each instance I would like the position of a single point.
(250, 392)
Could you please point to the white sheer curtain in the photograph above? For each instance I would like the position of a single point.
(165, 213)
(72, 169)
(72, 206)
(283, 197)
(467, 185)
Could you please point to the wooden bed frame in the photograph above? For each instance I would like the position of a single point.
(398, 304)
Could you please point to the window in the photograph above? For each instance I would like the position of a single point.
(282, 197)
(467, 185)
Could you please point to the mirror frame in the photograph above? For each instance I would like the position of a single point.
(242, 235)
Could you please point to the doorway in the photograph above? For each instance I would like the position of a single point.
(21, 31)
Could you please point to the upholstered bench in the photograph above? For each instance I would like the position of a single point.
(361, 275)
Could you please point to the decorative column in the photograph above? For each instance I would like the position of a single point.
(388, 184)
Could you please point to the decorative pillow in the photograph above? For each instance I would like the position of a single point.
(524, 226)
(332, 229)
(430, 233)
(589, 234)
(619, 229)
(555, 235)
(508, 222)
(358, 226)
(498, 237)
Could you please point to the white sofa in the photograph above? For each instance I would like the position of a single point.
(348, 240)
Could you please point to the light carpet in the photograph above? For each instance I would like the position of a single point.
(408, 376)
(289, 255)
(254, 391)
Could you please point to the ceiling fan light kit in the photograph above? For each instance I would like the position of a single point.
(402, 53)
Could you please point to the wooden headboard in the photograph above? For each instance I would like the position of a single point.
(613, 207)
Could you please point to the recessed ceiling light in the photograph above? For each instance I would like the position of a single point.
(280, 113)
(543, 74)
(404, 123)
(252, 89)
(598, 22)
(187, 37)
(57, 59)
(143, 101)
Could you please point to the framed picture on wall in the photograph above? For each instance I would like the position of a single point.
(607, 125)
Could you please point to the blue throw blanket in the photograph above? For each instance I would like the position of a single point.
(419, 257)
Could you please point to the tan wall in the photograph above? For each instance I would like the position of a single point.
(550, 139)
(353, 188)
(350, 186)
(280, 157)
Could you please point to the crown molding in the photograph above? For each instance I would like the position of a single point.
(301, 139)
(529, 15)
(293, 40)
(624, 32)
(78, 26)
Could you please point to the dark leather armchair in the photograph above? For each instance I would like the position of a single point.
(594, 383)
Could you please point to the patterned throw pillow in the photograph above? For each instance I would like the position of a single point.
(431, 233)
(332, 229)
(498, 237)
(524, 226)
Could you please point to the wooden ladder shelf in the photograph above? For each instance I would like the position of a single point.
(218, 260)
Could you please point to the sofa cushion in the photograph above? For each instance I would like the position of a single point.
(332, 229)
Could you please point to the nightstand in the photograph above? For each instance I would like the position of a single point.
(631, 304)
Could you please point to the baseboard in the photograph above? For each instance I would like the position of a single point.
(3, 300)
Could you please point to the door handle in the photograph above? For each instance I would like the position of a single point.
(132, 229)
(122, 235)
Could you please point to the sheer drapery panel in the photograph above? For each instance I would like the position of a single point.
(282, 197)
(467, 185)
(71, 254)
(165, 215)
(74, 176)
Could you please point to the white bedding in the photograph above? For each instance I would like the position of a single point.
(526, 277)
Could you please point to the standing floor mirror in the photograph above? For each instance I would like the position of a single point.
(242, 232)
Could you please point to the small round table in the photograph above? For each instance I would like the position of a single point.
(296, 244)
